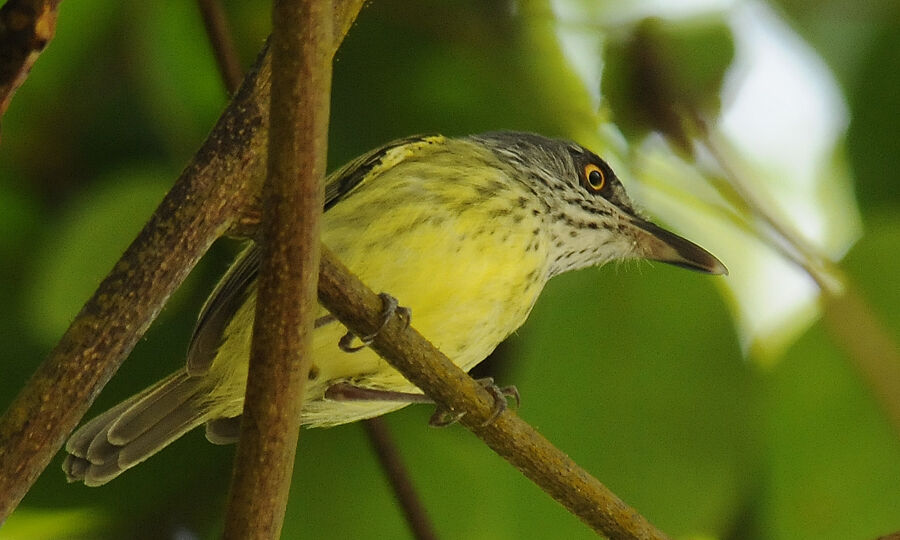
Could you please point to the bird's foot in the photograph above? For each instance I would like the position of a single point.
(389, 308)
(443, 417)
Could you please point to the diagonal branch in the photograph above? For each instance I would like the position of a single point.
(293, 197)
(216, 192)
(193, 214)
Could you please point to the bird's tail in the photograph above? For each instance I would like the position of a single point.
(134, 430)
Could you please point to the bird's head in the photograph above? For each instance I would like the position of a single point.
(590, 217)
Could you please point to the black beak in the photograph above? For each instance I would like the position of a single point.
(658, 244)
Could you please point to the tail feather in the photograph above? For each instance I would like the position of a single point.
(100, 450)
(134, 430)
(80, 441)
(166, 399)
(158, 436)
(223, 430)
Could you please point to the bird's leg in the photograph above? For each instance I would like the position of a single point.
(344, 391)
(442, 417)
(390, 306)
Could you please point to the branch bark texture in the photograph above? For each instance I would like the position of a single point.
(286, 306)
(218, 191)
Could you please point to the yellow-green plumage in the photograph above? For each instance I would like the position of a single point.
(501, 281)
(465, 232)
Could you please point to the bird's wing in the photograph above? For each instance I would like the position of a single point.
(228, 296)
(240, 280)
(344, 181)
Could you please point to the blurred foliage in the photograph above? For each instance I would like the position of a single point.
(634, 370)
(660, 63)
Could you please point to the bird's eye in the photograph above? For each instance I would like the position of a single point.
(594, 178)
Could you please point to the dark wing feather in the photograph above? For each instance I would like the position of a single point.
(342, 182)
(231, 292)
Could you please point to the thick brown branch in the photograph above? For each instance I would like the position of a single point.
(26, 27)
(286, 306)
(216, 191)
(375, 428)
(517, 442)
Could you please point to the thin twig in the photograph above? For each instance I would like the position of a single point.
(219, 33)
(217, 191)
(392, 464)
(286, 306)
(788, 241)
(869, 347)
(418, 360)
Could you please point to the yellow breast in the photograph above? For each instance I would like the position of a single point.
(468, 257)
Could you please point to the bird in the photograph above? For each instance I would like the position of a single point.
(463, 231)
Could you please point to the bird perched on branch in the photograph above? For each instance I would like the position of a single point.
(463, 231)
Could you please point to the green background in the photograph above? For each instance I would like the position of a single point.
(635, 370)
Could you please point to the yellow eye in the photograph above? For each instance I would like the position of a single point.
(594, 178)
